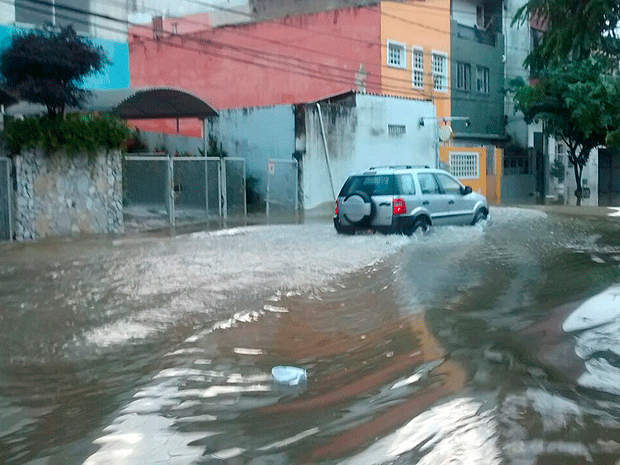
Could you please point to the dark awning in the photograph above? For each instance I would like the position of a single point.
(145, 103)
(151, 103)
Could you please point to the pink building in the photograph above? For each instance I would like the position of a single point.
(296, 59)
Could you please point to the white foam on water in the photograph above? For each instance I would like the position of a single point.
(597, 324)
(600, 309)
(456, 432)
(208, 267)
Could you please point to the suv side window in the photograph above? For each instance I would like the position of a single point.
(428, 185)
(405, 185)
(448, 184)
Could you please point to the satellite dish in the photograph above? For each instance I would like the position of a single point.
(445, 132)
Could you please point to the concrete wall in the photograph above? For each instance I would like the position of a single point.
(113, 76)
(58, 196)
(358, 138)
(256, 134)
(172, 143)
(517, 47)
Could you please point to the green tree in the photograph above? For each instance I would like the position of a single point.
(47, 67)
(577, 103)
(575, 29)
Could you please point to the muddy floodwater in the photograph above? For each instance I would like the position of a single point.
(492, 344)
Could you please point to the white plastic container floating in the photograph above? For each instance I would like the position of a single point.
(289, 376)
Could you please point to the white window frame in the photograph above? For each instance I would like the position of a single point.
(484, 78)
(465, 165)
(440, 77)
(403, 54)
(461, 68)
(417, 68)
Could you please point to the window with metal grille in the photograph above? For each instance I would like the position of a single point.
(440, 72)
(417, 68)
(463, 76)
(396, 54)
(57, 13)
(396, 130)
(482, 79)
(465, 165)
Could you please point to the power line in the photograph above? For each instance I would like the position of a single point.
(276, 21)
(301, 71)
(283, 22)
(249, 51)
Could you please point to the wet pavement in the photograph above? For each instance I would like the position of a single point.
(492, 344)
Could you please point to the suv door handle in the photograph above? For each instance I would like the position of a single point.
(384, 204)
(425, 202)
(450, 202)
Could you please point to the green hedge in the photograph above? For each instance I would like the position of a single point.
(75, 133)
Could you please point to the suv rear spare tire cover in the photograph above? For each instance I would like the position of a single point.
(358, 208)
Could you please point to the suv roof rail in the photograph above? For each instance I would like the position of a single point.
(398, 167)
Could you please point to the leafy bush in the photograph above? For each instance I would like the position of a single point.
(76, 133)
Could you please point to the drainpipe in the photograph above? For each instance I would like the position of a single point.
(329, 168)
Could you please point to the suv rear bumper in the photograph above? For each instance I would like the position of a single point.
(397, 226)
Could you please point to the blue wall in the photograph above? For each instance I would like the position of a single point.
(114, 76)
(257, 134)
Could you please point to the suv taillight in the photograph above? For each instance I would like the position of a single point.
(398, 207)
(336, 210)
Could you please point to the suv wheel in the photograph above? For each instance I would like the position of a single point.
(340, 229)
(358, 208)
(480, 215)
(421, 224)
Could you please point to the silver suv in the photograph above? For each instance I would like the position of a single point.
(404, 199)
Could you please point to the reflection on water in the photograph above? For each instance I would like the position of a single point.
(446, 348)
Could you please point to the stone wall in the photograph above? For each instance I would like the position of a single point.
(58, 195)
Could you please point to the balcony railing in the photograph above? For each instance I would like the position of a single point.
(479, 35)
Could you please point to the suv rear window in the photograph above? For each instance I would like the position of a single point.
(379, 184)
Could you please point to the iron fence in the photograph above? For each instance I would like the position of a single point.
(184, 189)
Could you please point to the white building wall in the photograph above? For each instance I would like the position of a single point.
(589, 177)
(7, 12)
(464, 12)
(359, 139)
(106, 28)
(517, 47)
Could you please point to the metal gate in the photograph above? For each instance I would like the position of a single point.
(185, 189)
(282, 187)
(234, 186)
(6, 197)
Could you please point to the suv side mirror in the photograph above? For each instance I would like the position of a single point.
(466, 190)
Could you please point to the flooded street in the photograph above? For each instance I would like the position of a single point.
(492, 344)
